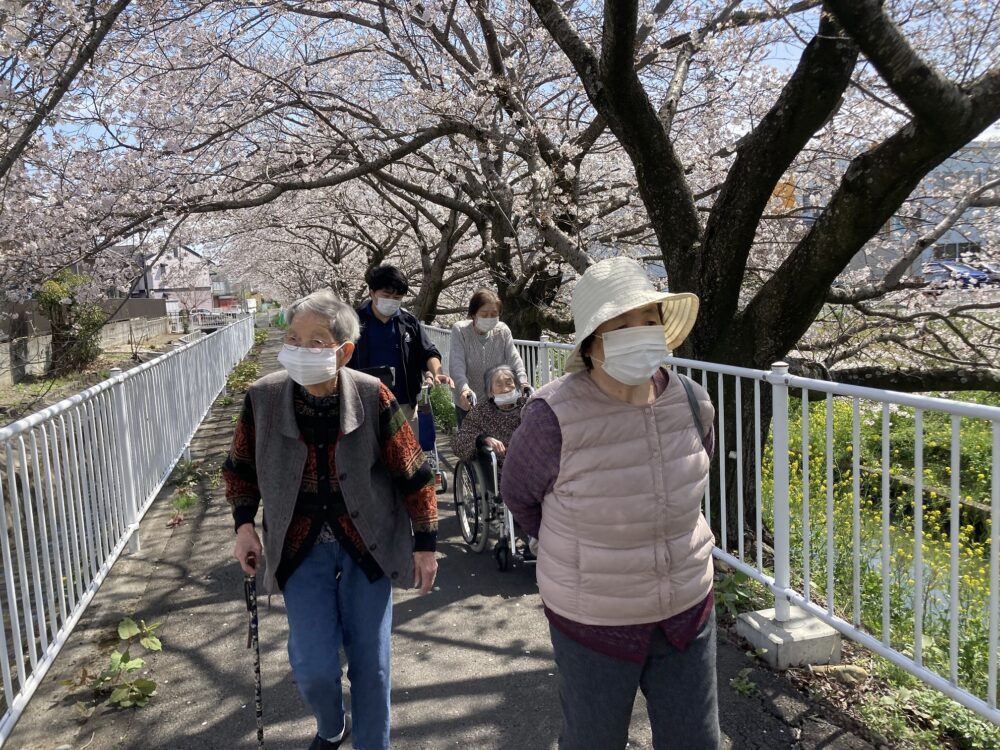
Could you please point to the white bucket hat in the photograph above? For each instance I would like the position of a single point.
(613, 287)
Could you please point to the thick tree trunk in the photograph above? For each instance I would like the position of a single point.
(526, 308)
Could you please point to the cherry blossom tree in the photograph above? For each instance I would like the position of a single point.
(786, 160)
(512, 144)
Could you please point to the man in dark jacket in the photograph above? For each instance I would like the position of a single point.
(393, 340)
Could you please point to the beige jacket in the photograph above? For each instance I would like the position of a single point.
(623, 540)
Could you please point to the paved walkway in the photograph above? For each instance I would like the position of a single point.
(472, 664)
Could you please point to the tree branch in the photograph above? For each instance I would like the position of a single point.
(62, 85)
(738, 19)
(617, 93)
(931, 97)
(334, 15)
(579, 53)
(618, 39)
(418, 142)
(566, 246)
(893, 277)
(669, 107)
(919, 380)
(807, 101)
(429, 195)
(872, 188)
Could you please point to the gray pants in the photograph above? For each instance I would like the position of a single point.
(597, 693)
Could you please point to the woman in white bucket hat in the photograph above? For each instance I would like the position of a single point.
(608, 470)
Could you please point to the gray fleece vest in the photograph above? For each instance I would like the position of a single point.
(373, 499)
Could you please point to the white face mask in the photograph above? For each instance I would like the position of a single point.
(309, 366)
(506, 399)
(632, 355)
(485, 325)
(387, 306)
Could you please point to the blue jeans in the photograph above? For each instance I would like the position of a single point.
(330, 602)
(597, 693)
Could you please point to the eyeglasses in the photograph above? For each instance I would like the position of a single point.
(316, 347)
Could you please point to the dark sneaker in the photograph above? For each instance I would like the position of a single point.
(319, 743)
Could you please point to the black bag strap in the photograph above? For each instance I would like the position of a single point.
(693, 403)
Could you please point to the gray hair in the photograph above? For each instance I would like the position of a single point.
(343, 321)
(493, 372)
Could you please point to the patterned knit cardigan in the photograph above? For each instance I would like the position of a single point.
(486, 420)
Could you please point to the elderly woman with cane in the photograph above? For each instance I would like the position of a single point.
(608, 469)
(349, 510)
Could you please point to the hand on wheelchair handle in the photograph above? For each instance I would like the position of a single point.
(494, 445)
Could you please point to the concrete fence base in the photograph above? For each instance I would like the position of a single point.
(31, 356)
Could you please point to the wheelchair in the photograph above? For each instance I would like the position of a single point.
(481, 512)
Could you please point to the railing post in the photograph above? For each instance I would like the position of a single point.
(782, 555)
(544, 363)
(128, 464)
(183, 389)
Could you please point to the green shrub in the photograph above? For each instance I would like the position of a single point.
(736, 592)
(76, 325)
(185, 474)
(445, 419)
(119, 683)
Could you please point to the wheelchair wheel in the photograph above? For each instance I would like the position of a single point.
(470, 509)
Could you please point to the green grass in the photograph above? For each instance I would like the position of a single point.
(184, 499)
(243, 375)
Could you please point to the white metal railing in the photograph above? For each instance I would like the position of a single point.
(75, 479)
(886, 525)
(203, 319)
(215, 318)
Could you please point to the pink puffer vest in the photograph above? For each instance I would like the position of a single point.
(623, 540)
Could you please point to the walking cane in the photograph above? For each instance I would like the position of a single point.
(250, 589)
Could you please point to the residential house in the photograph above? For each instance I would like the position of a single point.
(182, 276)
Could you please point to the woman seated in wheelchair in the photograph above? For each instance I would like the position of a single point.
(491, 422)
(485, 434)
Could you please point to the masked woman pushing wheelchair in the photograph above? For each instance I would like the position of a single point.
(608, 470)
(478, 344)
